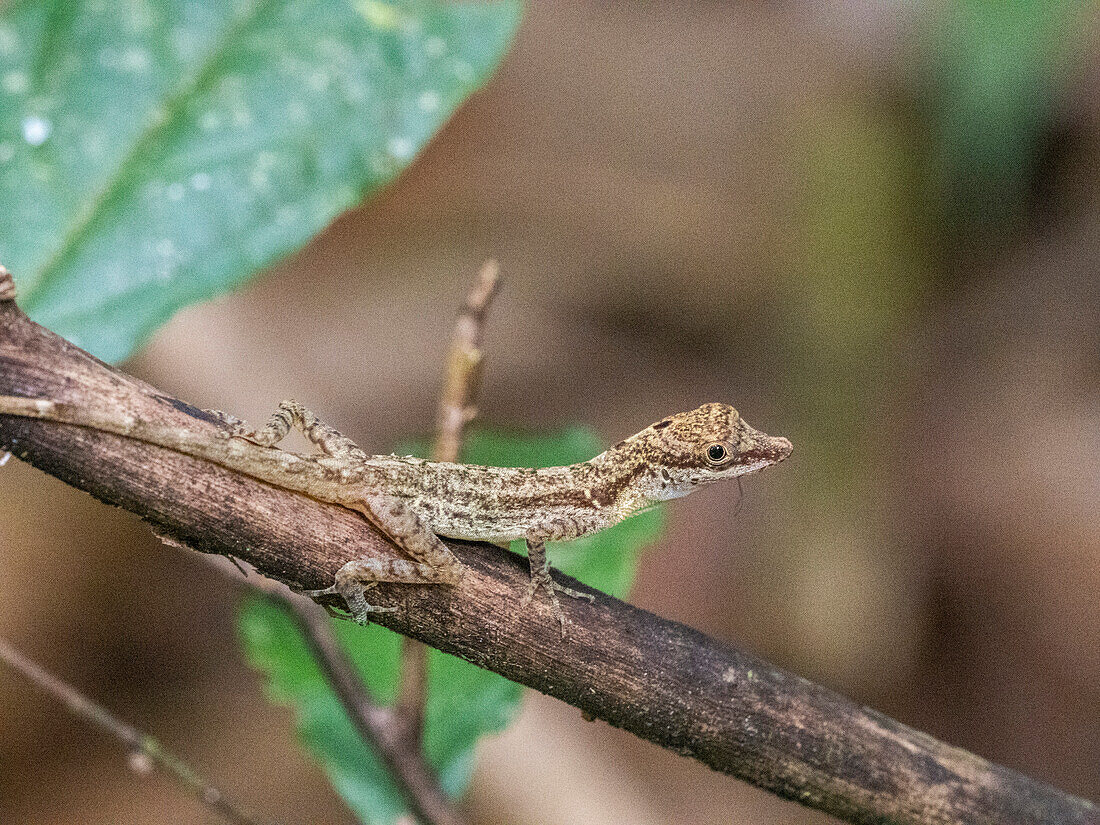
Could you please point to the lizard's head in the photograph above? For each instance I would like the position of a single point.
(706, 445)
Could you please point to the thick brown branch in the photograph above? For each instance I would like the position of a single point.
(149, 751)
(658, 679)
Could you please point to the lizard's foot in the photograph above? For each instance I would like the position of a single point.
(292, 415)
(358, 576)
(354, 595)
(545, 580)
(230, 423)
(234, 427)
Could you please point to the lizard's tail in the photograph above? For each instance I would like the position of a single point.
(292, 471)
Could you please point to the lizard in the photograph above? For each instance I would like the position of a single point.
(415, 501)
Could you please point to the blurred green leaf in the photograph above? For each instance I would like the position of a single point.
(464, 702)
(155, 154)
(998, 66)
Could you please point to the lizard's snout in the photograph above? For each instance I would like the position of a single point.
(781, 448)
(761, 447)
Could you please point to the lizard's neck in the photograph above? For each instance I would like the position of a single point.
(623, 476)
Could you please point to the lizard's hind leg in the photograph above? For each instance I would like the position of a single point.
(433, 562)
(355, 578)
(292, 414)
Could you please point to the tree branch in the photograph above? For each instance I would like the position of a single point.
(658, 679)
(146, 750)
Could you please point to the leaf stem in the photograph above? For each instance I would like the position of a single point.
(383, 730)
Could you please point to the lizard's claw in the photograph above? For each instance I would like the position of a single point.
(354, 596)
(552, 589)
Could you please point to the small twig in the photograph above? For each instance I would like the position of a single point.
(458, 401)
(146, 751)
(385, 729)
(457, 408)
(7, 285)
(382, 729)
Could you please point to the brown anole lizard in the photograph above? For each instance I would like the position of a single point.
(414, 501)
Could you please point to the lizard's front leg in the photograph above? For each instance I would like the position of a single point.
(433, 562)
(540, 577)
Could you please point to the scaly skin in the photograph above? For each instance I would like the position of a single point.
(414, 501)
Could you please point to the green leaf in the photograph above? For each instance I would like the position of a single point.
(464, 702)
(998, 66)
(156, 154)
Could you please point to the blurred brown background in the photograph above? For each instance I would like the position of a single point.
(873, 227)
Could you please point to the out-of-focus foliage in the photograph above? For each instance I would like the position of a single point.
(155, 154)
(883, 182)
(996, 68)
(859, 271)
(464, 702)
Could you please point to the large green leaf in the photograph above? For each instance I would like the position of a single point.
(999, 67)
(154, 154)
(464, 702)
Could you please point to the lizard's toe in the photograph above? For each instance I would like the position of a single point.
(552, 589)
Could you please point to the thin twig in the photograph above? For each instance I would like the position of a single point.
(7, 285)
(146, 750)
(458, 401)
(381, 729)
(457, 408)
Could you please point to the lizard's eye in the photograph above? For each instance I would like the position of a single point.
(717, 453)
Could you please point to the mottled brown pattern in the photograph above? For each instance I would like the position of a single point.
(415, 501)
(7, 285)
(664, 461)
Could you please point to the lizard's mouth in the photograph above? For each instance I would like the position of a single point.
(745, 469)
